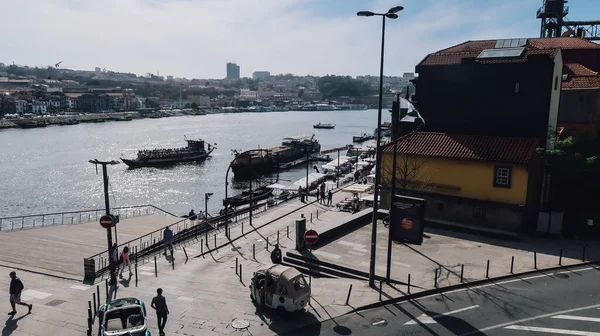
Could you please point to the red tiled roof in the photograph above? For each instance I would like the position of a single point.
(582, 82)
(535, 46)
(466, 147)
(576, 69)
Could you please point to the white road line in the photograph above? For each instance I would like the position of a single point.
(577, 318)
(554, 331)
(426, 319)
(502, 325)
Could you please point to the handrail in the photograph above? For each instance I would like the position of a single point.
(91, 210)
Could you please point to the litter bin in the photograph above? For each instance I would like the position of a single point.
(300, 230)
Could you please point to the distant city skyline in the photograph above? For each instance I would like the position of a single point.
(308, 37)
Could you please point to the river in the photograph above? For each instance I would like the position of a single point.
(46, 169)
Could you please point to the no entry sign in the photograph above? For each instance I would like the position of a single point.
(311, 237)
(107, 221)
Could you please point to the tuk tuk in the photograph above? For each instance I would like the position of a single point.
(126, 316)
(279, 287)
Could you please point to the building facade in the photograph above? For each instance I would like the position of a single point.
(257, 75)
(467, 180)
(233, 71)
(497, 87)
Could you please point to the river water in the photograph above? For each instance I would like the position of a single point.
(46, 169)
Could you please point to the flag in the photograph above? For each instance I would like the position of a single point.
(412, 115)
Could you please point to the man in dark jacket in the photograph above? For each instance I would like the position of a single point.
(276, 255)
(16, 287)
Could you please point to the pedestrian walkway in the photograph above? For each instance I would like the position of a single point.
(59, 250)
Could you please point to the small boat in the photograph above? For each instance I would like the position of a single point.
(244, 198)
(363, 138)
(324, 125)
(196, 150)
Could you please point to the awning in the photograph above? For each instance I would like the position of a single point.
(276, 186)
(312, 178)
(369, 198)
(358, 188)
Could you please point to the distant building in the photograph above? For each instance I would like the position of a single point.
(20, 106)
(408, 75)
(169, 78)
(260, 75)
(97, 69)
(233, 71)
(248, 94)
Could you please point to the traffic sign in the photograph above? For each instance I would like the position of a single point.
(107, 221)
(311, 237)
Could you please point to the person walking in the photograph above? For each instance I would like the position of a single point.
(168, 239)
(16, 287)
(159, 303)
(125, 261)
(276, 255)
(114, 255)
(318, 194)
(329, 197)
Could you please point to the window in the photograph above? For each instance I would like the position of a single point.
(477, 212)
(502, 177)
(440, 206)
(517, 87)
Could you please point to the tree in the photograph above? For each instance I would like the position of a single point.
(337, 86)
(194, 106)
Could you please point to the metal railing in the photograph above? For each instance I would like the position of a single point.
(142, 248)
(75, 217)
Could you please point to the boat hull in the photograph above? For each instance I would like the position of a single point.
(163, 162)
(243, 200)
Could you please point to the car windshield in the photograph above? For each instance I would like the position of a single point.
(124, 319)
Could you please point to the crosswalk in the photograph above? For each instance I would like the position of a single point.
(584, 323)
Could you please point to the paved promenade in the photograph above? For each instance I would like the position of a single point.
(60, 249)
(205, 294)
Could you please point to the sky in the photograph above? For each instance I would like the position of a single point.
(196, 38)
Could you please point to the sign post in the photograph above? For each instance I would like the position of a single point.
(310, 238)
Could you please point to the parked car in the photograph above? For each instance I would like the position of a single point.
(279, 287)
(126, 316)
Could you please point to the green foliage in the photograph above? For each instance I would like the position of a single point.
(580, 150)
(338, 86)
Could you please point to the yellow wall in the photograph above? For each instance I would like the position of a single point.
(469, 179)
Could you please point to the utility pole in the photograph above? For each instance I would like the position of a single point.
(396, 117)
(111, 262)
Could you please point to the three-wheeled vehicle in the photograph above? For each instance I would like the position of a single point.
(126, 316)
(279, 287)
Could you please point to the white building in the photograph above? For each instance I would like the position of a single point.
(39, 107)
(20, 106)
(248, 94)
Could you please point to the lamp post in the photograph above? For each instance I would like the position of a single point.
(206, 197)
(390, 14)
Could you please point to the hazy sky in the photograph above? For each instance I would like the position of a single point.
(195, 38)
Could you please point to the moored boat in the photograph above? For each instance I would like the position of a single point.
(244, 198)
(363, 138)
(324, 125)
(196, 150)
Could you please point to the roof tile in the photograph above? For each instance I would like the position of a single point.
(466, 147)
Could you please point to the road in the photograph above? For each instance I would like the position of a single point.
(559, 303)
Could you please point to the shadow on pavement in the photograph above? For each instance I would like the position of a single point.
(455, 325)
(11, 325)
(285, 323)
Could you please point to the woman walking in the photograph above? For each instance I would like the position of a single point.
(125, 261)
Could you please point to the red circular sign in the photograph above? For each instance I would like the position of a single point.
(107, 221)
(311, 237)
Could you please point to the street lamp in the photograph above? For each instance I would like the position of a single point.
(390, 14)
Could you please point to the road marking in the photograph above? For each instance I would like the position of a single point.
(502, 325)
(426, 319)
(554, 331)
(80, 287)
(359, 254)
(33, 294)
(577, 318)
(327, 254)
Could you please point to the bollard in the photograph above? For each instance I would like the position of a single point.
(254, 251)
(241, 273)
(267, 246)
(95, 306)
(202, 246)
(512, 264)
(487, 270)
(215, 240)
(277, 237)
(311, 217)
(317, 213)
(435, 279)
(206, 238)
(173, 259)
(583, 255)
(106, 285)
(349, 291)
(242, 227)
(288, 231)
(534, 259)
(90, 310)
(380, 289)
(408, 283)
(560, 257)
(155, 268)
(136, 279)
(98, 295)
(462, 271)
(236, 265)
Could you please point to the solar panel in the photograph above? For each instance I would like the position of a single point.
(501, 53)
(510, 43)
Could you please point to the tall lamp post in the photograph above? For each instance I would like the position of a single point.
(390, 14)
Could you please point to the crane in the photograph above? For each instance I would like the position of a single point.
(57, 64)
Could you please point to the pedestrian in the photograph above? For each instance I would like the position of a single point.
(329, 198)
(276, 255)
(125, 261)
(16, 287)
(192, 215)
(114, 256)
(168, 239)
(323, 195)
(301, 191)
(159, 303)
